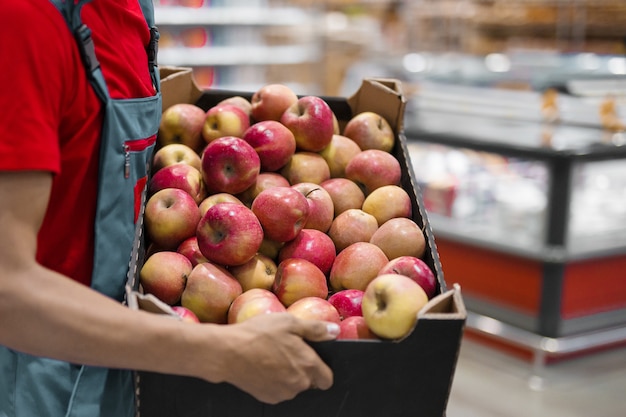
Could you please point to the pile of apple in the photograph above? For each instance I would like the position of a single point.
(264, 205)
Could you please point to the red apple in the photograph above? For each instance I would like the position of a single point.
(239, 101)
(210, 291)
(224, 120)
(370, 131)
(310, 120)
(171, 216)
(164, 275)
(390, 305)
(400, 237)
(372, 169)
(314, 246)
(190, 249)
(356, 266)
(229, 234)
(306, 167)
(252, 303)
(270, 102)
(414, 268)
(388, 202)
(355, 328)
(321, 207)
(274, 143)
(185, 314)
(345, 193)
(347, 302)
(182, 123)
(263, 181)
(230, 165)
(282, 211)
(214, 199)
(182, 176)
(258, 272)
(314, 308)
(351, 226)
(298, 278)
(338, 153)
(174, 154)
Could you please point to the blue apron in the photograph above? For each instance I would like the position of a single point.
(39, 387)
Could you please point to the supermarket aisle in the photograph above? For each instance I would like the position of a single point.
(489, 383)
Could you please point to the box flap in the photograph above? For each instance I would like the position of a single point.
(383, 96)
(448, 305)
(178, 86)
(149, 303)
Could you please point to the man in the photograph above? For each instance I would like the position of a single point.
(64, 347)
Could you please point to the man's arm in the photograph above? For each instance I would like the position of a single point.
(47, 314)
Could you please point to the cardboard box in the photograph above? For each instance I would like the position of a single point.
(410, 377)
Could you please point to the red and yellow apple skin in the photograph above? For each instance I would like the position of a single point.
(229, 165)
(310, 120)
(254, 302)
(370, 130)
(314, 246)
(400, 237)
(414, 268)
(372, 169)
(164, 275)
(182, 123)
(298, 278)
(314, 308)
(274, 143)
(356, 266)
(171, 216)
(282, 211)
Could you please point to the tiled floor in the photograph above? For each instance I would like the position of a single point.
(491, 383)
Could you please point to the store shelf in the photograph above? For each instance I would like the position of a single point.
(231, 16)
(239, 55)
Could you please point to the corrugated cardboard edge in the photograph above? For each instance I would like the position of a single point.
(383, 96)
(178, 86)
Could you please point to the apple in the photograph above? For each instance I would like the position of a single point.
(355, 328)
(338, 153)
(310, 119)
(314, 246)
(164, 275)
(274, 143)
(390, 305)
(372, 169)
(298, 278)
(171, 216)
(370, 131)
(252, 303)
(229, 234)
(282, 211)
(306, 167)
(347, 302)
(356, 266)
(258, 272)
(239, 101)
(351, 226)
(400, 237)
(414, 268)
(224, 120)
(271, 248)
(230, 165)
(388, 202)
(217, 198)
(190, 249)
(182, 176)
(270, 102)
(321, 207)
(173, 154)
(210, 291)
(182, 123)
(314, 308)
(263, 181)
(345, 193)
(185, 314)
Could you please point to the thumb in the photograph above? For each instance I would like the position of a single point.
(318, 331)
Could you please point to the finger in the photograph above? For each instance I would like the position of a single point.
(317, 331)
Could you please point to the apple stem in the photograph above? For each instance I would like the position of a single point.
(381, 300)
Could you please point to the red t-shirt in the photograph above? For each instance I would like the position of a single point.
(50, 117)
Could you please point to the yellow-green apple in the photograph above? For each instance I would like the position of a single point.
(390, 305)
(321, 207)
(189, 247)
(224, 120)
(229, 234)
(174, 154)
(182, 123)
(314, 308)
(282, 211)
(263, 180)
(388, 202)
(338, 153)
(400, 237)
(310, 119)
(258, 272)
(182, 176)
(252, 303)
(345, 193)
(171, 216)
(306, 167)
(164, 275)
(270, 101)
(370, 131)
(347, 302)
(297, 278)
(351, 226)
(274, 143)
(185, 314)
(210, 291)
(229, 165)
(271, 248)
(355, 328)
(314, 246)
(239, 101)
(217, 198)
(372, 169)
(356, 266)
(414, 268)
